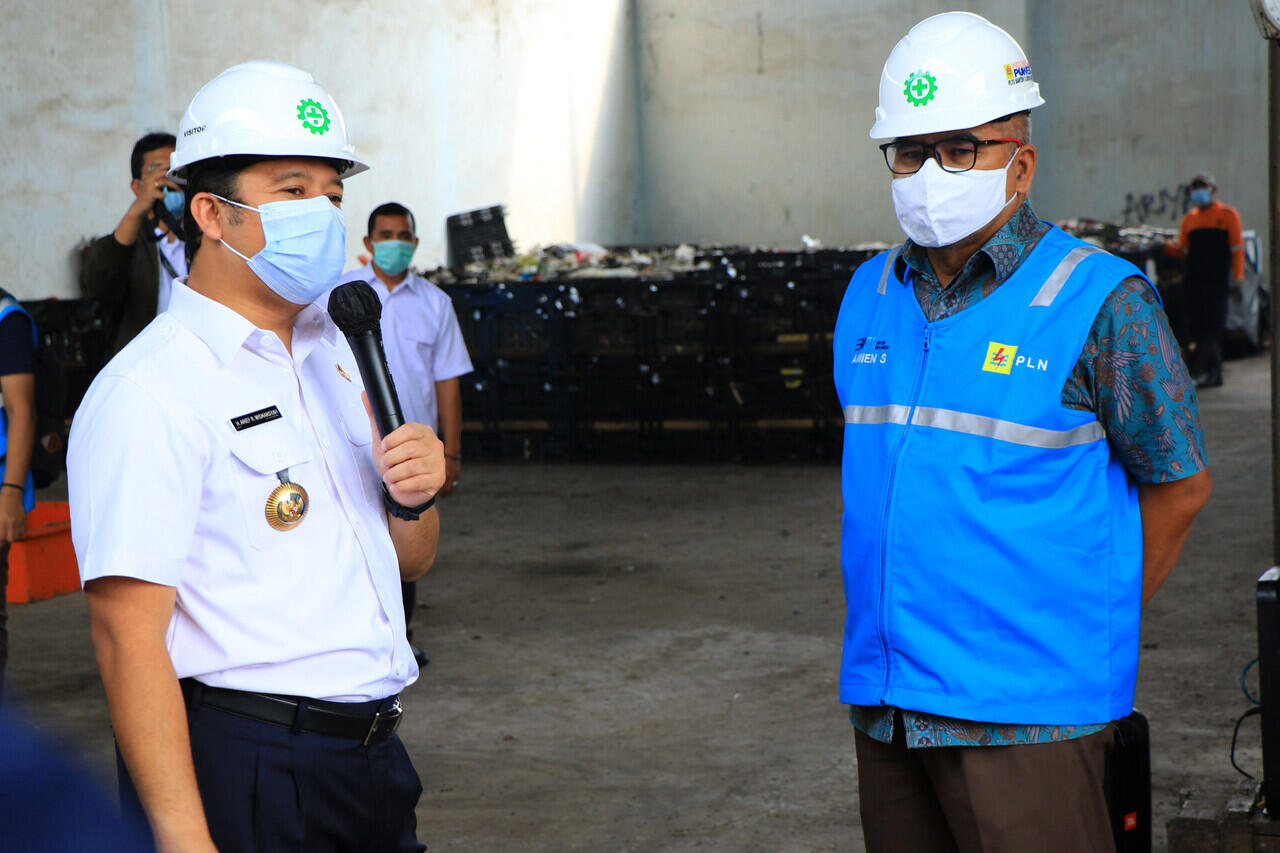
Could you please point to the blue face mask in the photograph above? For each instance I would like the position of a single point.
(392, 256)
(306, 247)
(174, 202)
(1201, 197)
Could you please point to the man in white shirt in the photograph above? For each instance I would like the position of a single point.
(425, 349)
(241, 529)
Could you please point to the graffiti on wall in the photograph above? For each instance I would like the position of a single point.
(1165, 206)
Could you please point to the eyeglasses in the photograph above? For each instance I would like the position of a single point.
(954, 154)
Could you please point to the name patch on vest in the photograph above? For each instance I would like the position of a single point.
(253, 419)
(871, 351)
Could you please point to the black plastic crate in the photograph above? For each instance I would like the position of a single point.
(522, 321)
(478, 235)
(610, 319)
(73, 337)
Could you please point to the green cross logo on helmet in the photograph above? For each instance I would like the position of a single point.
(920, 88)
(313, 116)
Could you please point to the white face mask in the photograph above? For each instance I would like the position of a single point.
(939, 208)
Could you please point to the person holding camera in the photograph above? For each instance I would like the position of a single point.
(131, 270)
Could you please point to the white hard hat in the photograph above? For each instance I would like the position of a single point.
(262, 107)
(952, 71)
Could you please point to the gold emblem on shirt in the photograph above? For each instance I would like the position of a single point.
(343, 373)
(287, 504)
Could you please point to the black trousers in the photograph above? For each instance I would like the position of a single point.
(409, 595)
(266, 789)
(1208, 327)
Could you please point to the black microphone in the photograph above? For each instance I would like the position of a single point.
(357, 311)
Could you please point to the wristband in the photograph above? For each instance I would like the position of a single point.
(13, 486)
(454, 457)
(401, 511)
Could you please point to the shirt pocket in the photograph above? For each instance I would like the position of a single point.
(262, 455)
(359, 432)
(422, 346)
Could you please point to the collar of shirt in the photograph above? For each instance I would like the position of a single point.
(987, 269)
(224, 331)
(169, 236)
(409, 285)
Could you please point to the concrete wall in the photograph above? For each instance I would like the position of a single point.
(456, 104)
(754, 116)
(621, 120)
(1140, 97)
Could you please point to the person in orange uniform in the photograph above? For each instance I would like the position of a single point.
(1213, 249)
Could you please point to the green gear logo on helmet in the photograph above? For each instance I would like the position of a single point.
(920, 89)
(313, 116)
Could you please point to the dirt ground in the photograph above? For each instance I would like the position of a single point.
(634, 658)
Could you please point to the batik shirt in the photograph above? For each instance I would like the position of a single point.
(1130, 374)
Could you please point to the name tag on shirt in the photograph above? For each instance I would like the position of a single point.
(253, 419)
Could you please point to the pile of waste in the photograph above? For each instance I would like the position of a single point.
(1124, 240)
(574, 261)
(561, 261)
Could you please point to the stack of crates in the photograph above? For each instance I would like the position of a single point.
(73, 343)
(640, 356)
(783, 307)
(731, 362)
(516, 402)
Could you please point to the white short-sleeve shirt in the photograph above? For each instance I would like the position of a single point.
(165, 488)
(175, 252)
(422, 339)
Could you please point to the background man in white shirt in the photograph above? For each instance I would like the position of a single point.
(241, 530)
(425, 349)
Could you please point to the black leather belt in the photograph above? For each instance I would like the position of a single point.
(314, 716)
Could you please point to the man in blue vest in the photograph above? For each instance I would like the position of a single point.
(1022, 462)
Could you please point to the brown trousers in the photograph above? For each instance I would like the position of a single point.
(1037, 798)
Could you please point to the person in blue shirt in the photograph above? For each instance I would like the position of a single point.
(1023, 460)
(17, 441)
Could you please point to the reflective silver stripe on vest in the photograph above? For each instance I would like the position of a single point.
(1049, 439)
(1060, 274)
(870, 415)
(888, 268)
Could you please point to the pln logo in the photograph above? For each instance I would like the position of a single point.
(1003, 358)
(999, 358)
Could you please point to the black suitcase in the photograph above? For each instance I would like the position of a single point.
(1128, 784)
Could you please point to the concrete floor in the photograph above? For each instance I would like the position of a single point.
(644, 658)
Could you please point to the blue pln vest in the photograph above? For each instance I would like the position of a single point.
(8, 305)
(991, 543)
